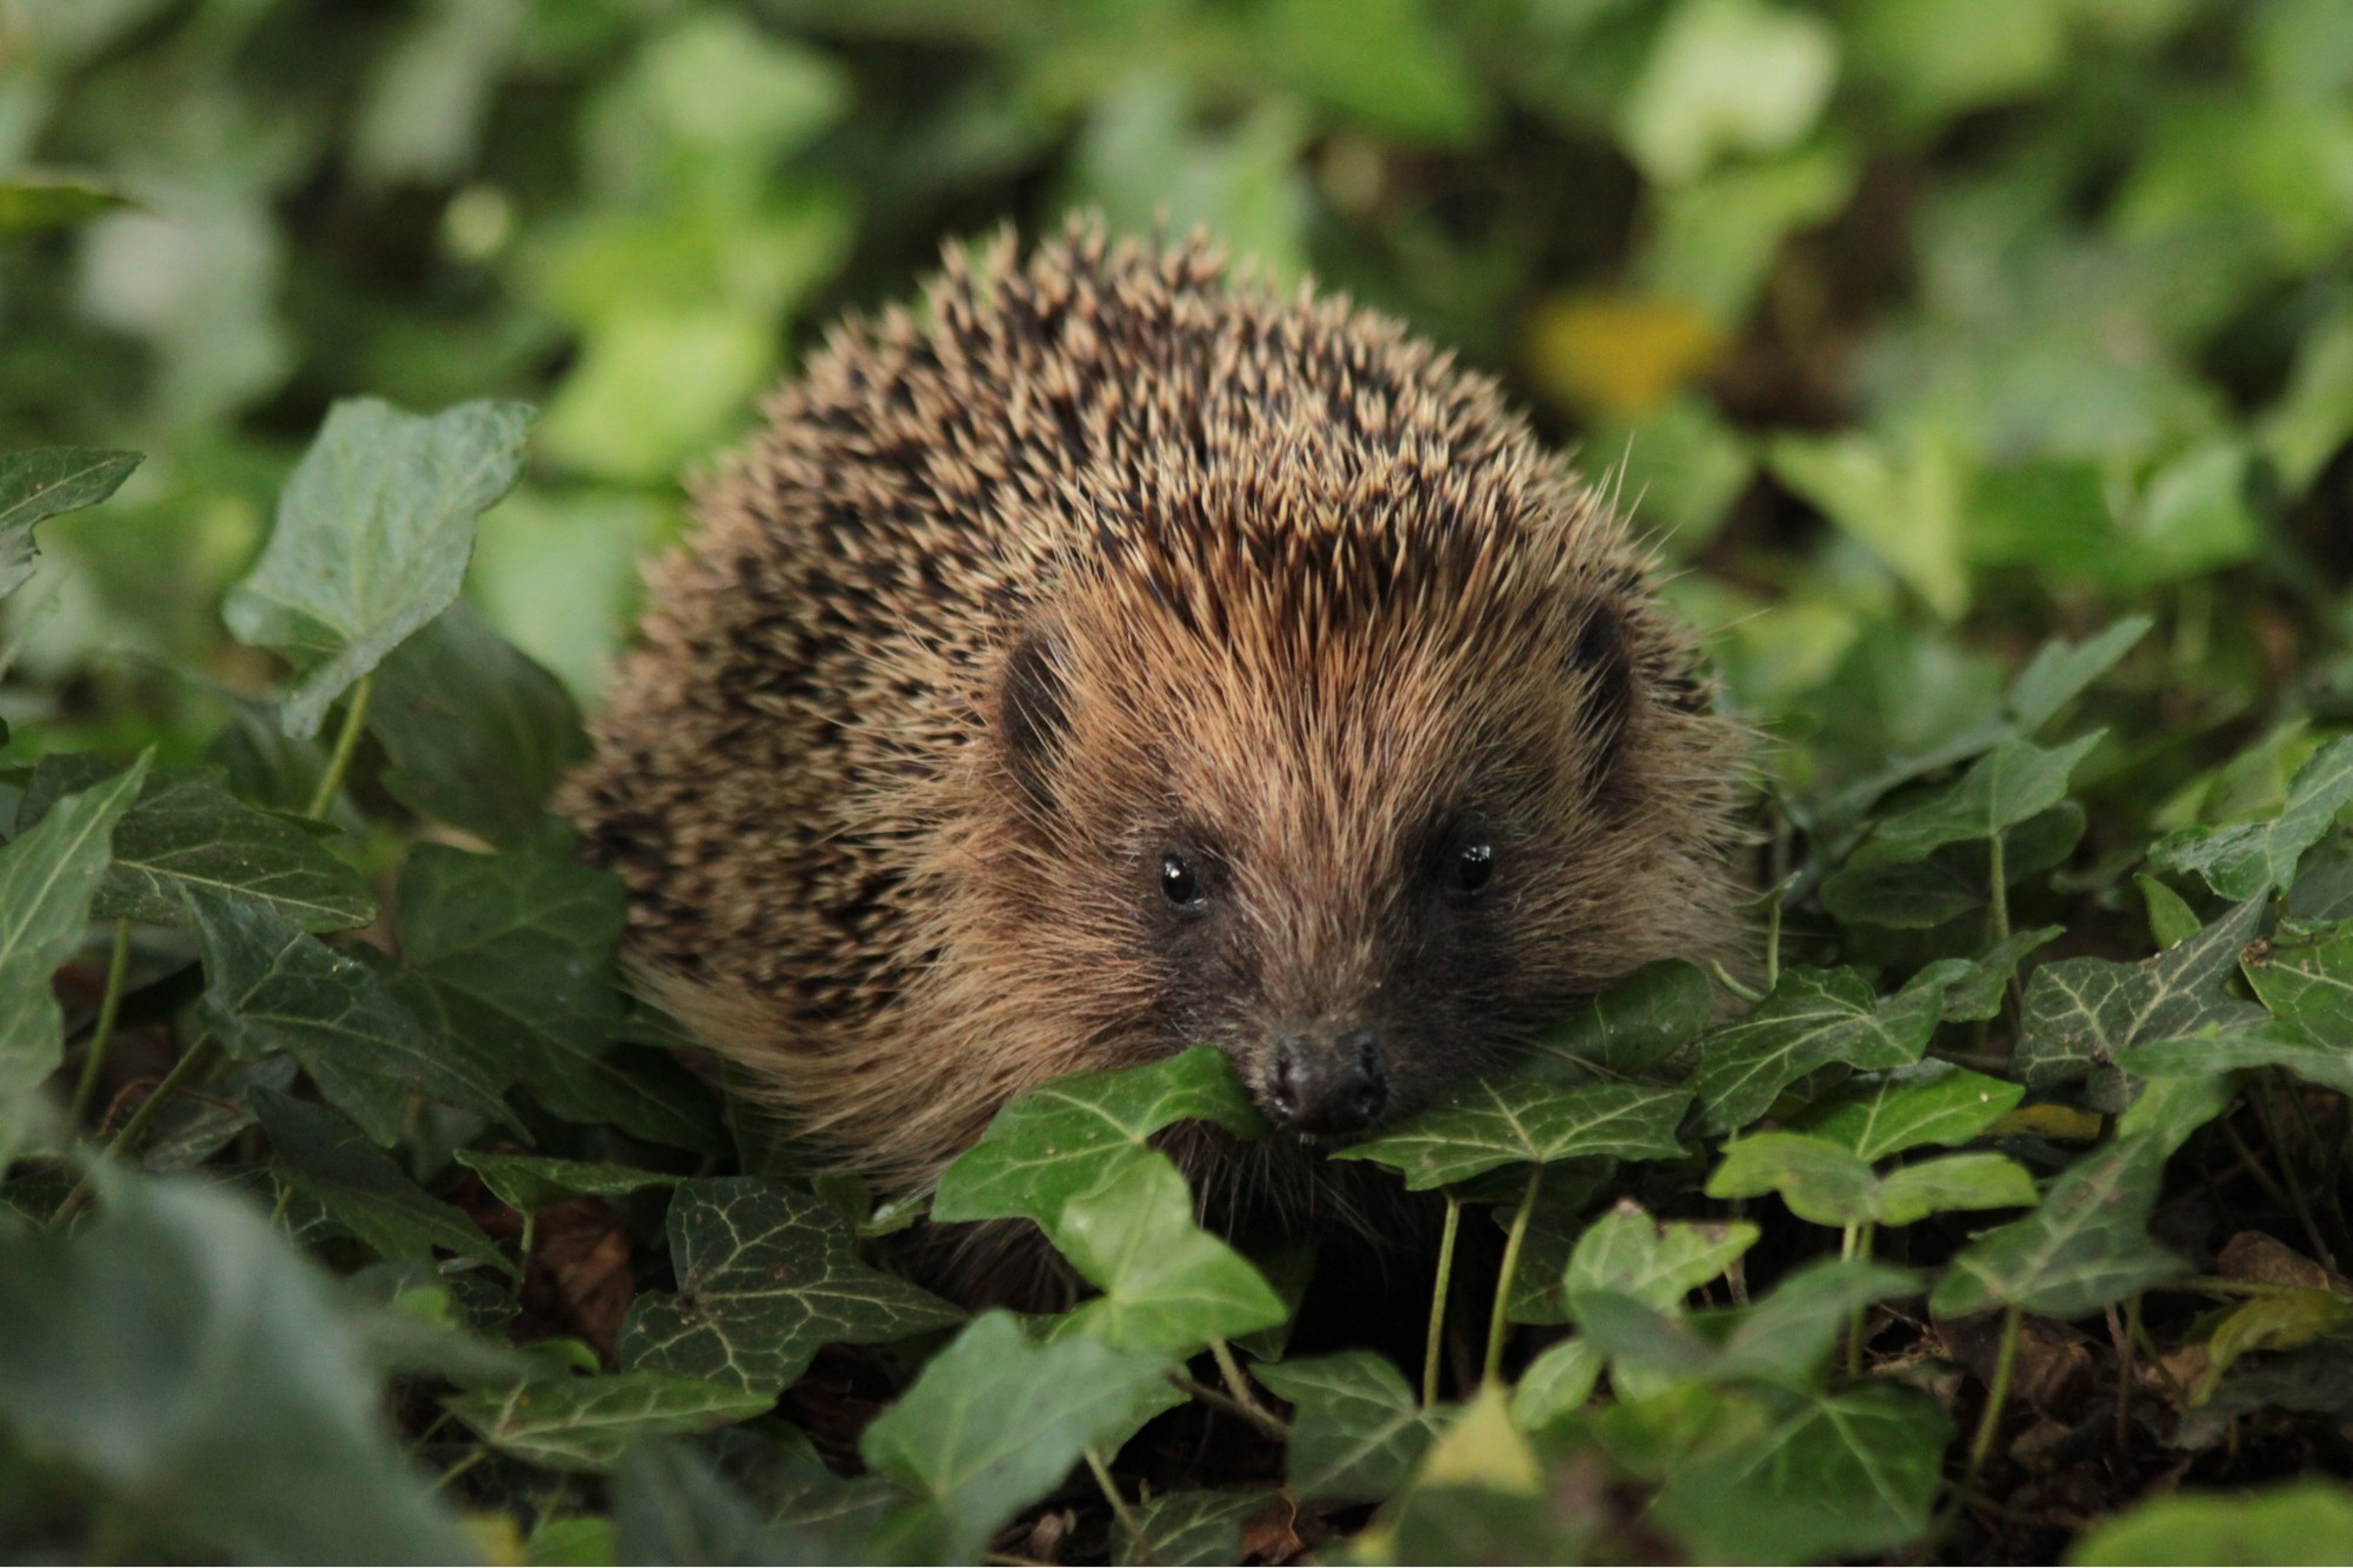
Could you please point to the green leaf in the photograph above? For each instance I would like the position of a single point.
(270, 986)
(1814, 1018)
(45, 482)
(672, 1505)
(1476, 1127)
(530, 1183)
(2083, 1250)
(1062, 1140)
(1356, 1429)
(187, 831)
(2060, 671)
(1950, 880)
(1557, 1383)
(1726, 77)
(47, 878)
(766, 1277)
(2307, 1521)
(36, 206)
(1169, 1285)
(2081, 1012)
(1903, 503)
(2248, 857)
(1180, 1530)
(1979, 1181)
(2170, 918)
(1823, 1183)
(1785, 1340)
(1633, 1026)
(1934, 1102)
(330, 1161)
(512, 956)
(373, 529)
(1627, 1252)
(475, 734)
(190, 1364)
(1976, 989)
(996, 1422)
(2307, 984)
(589, 1423)
(2012, 783)
(2213, 1052)
(2282, 1322)
(1851, 1473)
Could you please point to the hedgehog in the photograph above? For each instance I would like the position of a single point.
(1118, 655)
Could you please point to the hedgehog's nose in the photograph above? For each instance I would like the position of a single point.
(1327, 1081)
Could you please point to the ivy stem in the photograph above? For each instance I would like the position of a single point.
(1856, 1244)
(199, 1058)
(117, 963)
(1430, 1358)
(348, 740)
(1119, 1509)
(1998, 874)
(1496, 1320)
(2005, 1362)
(1265, 1420)
(1773, 942)
(1747, 993)
(1238, 1382)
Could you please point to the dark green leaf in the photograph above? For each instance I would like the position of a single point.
(1934, 1102)
(2213, 1052)
(1628, 1252)
(2246, 858)
(1814, 1018)
(2307, 984)
(2080, 1012)
(996, 1421)
(1951, 880)
(330, 1161)
(2016, 781)
(1058, 1142)
(1512, 1120)
(1181, 1530)
(190, 1131)
(589, 1423)
(530, 1183)
(1557, 1382)
(187, 831)
(43, 483)
(2083, 1250)
(1357, 1430)
(766, 1277)
(2061, 670)
(270, 986)
(475, 734)
(1635, 1024)
(374, 531)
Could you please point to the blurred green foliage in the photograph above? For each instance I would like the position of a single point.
(1890, 312)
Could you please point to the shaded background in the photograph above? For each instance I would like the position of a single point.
(1900, 315)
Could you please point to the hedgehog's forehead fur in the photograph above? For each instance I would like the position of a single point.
(1103, 552)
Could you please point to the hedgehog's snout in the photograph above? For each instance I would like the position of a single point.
(1329, 1080)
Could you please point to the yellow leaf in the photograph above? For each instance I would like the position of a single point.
(2062, 1122)
(1618, 353)
(1482, 1449)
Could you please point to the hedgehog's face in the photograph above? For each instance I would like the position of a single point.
(1367, 863)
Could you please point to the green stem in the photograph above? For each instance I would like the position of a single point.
(1265, 1420)
(1119, 1509)
(1857, 1244)
(1999, 874)
(1496, 1320)
(1438, 1300)
(1238, 1382)
(348, 740)
(199, 1058)
(1773, 941)
(1747, 993)
(117, 963)
(1989, 1424)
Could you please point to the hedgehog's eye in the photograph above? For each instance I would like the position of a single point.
(1475, 867)
(1178, 884)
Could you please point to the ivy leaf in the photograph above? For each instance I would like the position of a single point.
(589, 1423)
(36, 206)
(1814, 1018)
(1628, 1252)
(2059, 671)
(512, 955)
(1633, 1026)
(1169, 1285)
(2084, 1248)
(2016, 781)
(270, 986)
(2282, 1322)
(2308, 985)
(996, 1422)
(530, 1183)
(45, 482)
(2213, 1052)
(1974, 989)
(1827, 1184)
(1951, 880)
(2300, 1521)
(475, 733)
(1477, 1127)
(1356, 1429)
(1182, 1530)
(1784, 1340)
(186, 830)
(766, 1277)
(1934, 1102)
(2081, 1012)
(375, 527)
(189, 1363)
(1056, 1143)
(1557, 1383)
(47, 878)
(2250, 858)
(326, 1159)
(1850, 1473)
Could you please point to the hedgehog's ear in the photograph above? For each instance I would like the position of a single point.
(1033, 711)
(1600, 671)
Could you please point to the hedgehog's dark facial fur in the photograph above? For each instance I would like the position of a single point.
(1109, 562)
